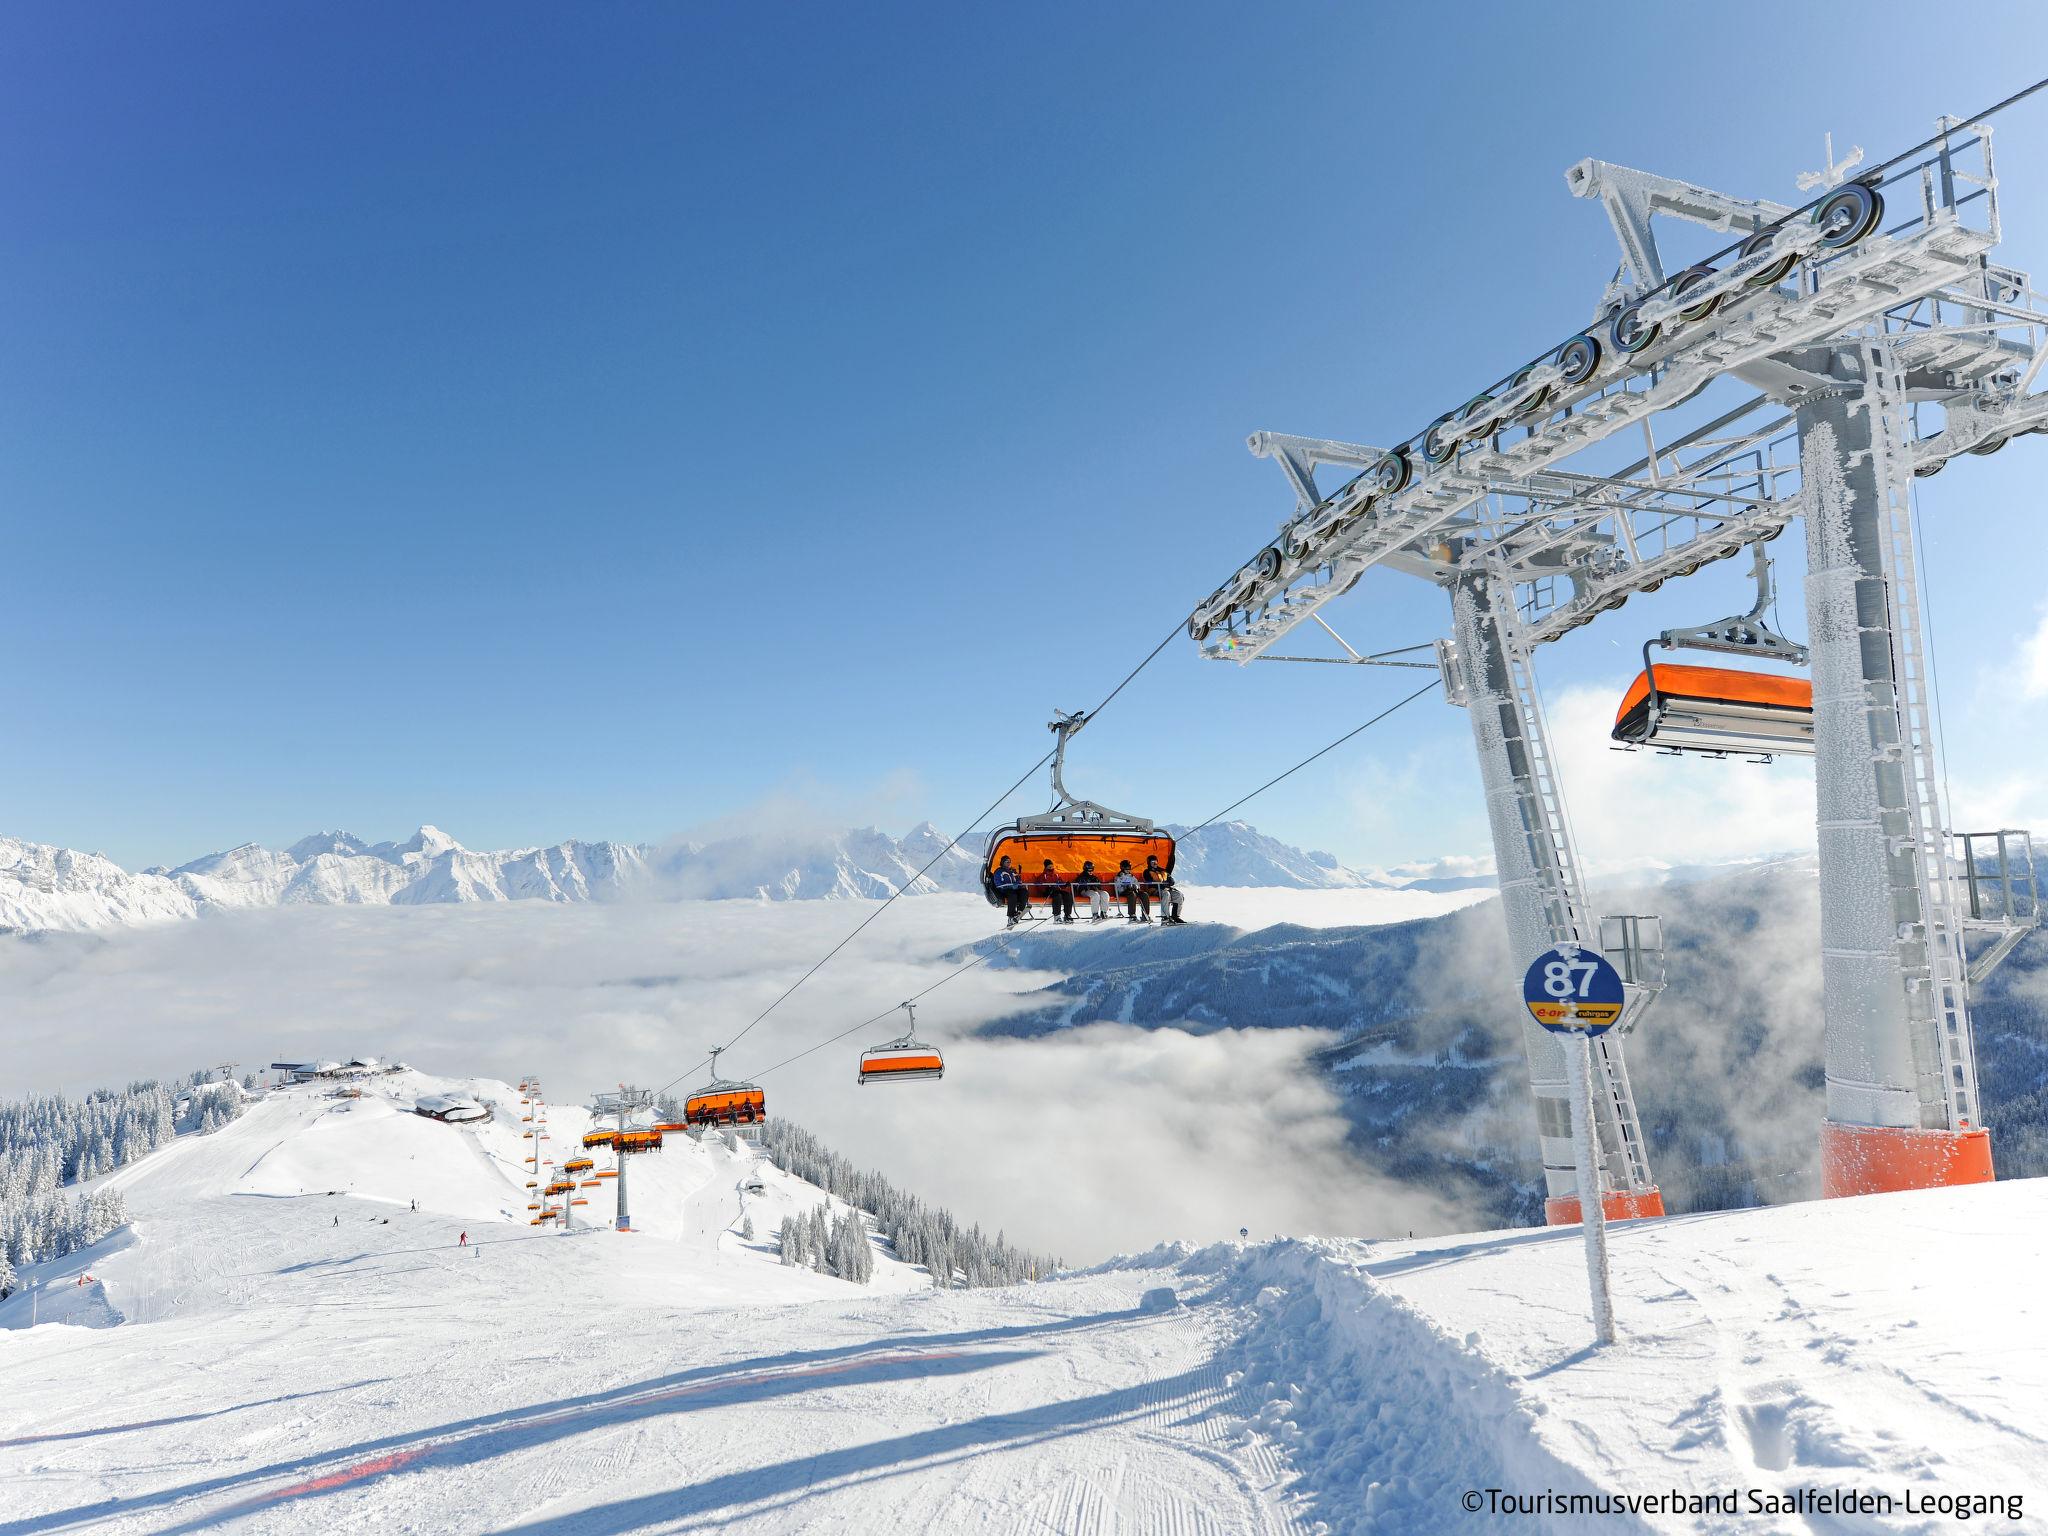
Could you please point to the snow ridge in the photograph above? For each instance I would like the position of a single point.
(45, 889)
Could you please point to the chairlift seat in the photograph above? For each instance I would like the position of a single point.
(1717, 710)
(901, 1063)
(1029, 849)
(726, 1103)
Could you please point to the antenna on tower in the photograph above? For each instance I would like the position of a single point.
(1835, 174)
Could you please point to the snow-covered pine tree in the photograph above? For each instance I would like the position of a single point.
(50, 1141)
(917, 1233)
(818, 1239)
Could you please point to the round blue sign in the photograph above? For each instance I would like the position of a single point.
(1573, 990)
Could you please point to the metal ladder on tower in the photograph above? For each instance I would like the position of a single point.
(1944, 974)
(1553, 852)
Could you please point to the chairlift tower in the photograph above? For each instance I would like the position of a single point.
(621, 1105)
(1841, 322)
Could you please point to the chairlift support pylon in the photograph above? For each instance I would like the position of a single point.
(1842, 327)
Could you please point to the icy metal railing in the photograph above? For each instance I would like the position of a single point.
(2001, 892)
(1634, 945)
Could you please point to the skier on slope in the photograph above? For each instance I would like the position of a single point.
(462, 1241)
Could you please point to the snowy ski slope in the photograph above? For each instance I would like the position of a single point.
(258, 1354)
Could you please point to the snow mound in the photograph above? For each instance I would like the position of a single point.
(1891, 1344)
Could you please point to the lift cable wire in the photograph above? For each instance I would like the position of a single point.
(878, 1018)
(891, 901)
(951, 843)
(1333, 746)
(1963, 123)
(992, 953)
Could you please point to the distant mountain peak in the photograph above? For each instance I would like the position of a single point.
(53, 888)
(344, 843)
(1237, 853)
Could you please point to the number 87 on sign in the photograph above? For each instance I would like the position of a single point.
(1570, 990)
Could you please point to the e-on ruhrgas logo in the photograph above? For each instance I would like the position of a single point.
(1570, 990)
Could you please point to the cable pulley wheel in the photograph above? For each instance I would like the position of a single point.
(1270, 561)
(1437, 446)
(1532, 407)
(1628, 332)
(1578, 359)
(1686, 282)
(1773, 274)
(1390, 473)
(1850, 213)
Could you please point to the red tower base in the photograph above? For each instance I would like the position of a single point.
(1879, 1159)
(1618, 1205)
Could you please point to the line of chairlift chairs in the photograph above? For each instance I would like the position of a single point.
(1714, 711)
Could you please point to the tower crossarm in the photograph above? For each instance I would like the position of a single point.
(1631, 197)
(1444, 495)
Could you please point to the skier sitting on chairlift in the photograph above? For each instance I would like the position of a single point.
(1159, 881)
(1133, 893)
(1089, 884)
(1057, 891)
(1005, 880)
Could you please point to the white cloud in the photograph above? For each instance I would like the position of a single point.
(1632, 808)
(2033, 661)
(1101, 1139)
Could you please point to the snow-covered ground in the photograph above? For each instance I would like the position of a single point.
(260, 1354)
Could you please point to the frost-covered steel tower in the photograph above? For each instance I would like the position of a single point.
(1783, 376)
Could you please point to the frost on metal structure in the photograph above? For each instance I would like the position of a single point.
(1540, 894)
(1836, 323)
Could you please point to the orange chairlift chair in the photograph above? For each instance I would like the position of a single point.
(1071, 833)
(1717, 711)
(904, 1059)
(725, 1101)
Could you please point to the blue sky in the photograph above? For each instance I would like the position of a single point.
(553, 421)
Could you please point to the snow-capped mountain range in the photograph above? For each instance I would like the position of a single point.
(45, 888)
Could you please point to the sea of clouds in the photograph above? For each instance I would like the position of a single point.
(1104, 1139)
